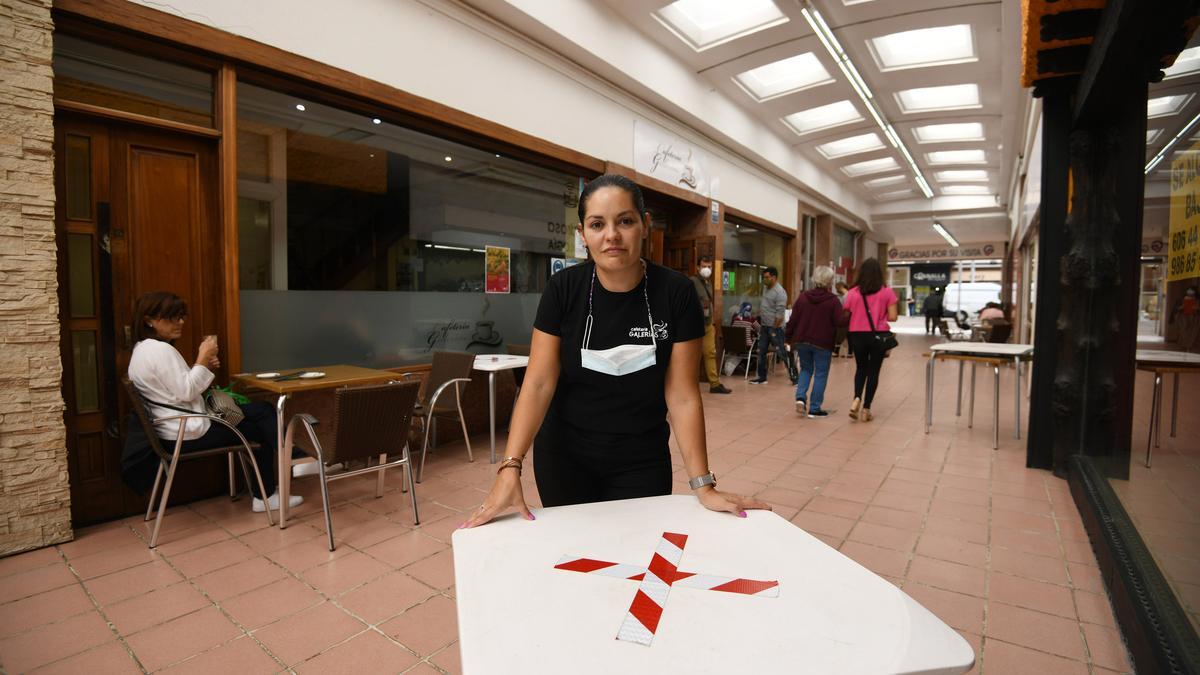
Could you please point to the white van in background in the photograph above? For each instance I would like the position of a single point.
(969, 297)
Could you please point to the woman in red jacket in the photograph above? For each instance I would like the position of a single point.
(816, 316)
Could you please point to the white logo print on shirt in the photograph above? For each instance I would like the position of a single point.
(660, 331)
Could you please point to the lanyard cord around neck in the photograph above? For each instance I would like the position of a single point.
(587, 330)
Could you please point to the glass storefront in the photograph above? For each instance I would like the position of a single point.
(748, 252)
(363, 242)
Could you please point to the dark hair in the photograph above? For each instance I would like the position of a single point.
(612, 180)
(705, 258)
(870, 277)
(155, 305)
(772, 271)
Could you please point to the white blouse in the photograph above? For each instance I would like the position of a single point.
(160, 374)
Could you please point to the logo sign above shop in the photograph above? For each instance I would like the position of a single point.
(964, 252)
(659, 154)
(1154, 247)
(930, 275)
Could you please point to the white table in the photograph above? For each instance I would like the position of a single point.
(519, 613)
(492, 364)
(978, 352)
(1160, 362)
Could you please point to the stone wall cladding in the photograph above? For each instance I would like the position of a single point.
(35, 497)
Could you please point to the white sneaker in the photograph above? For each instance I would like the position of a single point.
(273, 501)
(311, 469)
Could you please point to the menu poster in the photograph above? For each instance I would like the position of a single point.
(498, 270)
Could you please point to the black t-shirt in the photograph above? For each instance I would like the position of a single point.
(596, 404)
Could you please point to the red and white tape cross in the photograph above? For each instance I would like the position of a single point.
(656, 579)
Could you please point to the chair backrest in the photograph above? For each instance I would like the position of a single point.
(446, 366)
(138, 405)
(518, 373)
(1000, 332)
(735, 340)
(371, 420)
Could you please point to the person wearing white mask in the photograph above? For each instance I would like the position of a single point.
(702, 280)
(616, 345)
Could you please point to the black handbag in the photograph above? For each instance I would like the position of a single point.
(884, 340)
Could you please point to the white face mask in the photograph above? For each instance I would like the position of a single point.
(706, 272)
(623, 359)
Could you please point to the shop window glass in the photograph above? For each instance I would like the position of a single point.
(78, 177)
(363, 242)
(89, 73)
(747, 253)
(80, 281)
(87, 379)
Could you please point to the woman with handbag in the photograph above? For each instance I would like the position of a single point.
(870, 306)
(168, 385)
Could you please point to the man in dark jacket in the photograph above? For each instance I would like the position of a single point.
(816, 316)
(932, 308)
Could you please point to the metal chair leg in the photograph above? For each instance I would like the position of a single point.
(958, 402)
(162, 507)
(262, 488)
(379, 480)
(154, 491)
(1154, 403)
(971, 411)
(424, 445)
(1157, 421)
(232, 482)
(996, 408)
(412, 488)
(1174, 404)
(325, 498)
(462, 419)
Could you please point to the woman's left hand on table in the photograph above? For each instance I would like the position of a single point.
(715, 500)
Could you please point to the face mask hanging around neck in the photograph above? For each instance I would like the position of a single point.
(622, 359)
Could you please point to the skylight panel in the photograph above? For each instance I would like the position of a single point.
(876, 183)
(894, 194)
(784, 77)
(938, 46)
(870, 166)
(957, 157)
(823, 117)
(948, 97)
(965, 190)
(1152, 135)
(949, 133)
(1186, 63)
(850, 146)
(962, 176)
(1166, 105)
(707, 23)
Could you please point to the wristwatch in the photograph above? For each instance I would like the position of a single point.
(700, 481)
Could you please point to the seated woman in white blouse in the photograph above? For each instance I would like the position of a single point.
(161, 375)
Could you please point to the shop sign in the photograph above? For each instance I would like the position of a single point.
(1183, 255)
(559, 264)
(1154, 247)
(497, 269)
(964, 252)
(662, 155)
(714, 212)
(930, 275)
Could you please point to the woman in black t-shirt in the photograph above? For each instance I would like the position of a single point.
(616, 346)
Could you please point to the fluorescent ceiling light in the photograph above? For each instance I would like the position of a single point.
(1152, 135)
(870, 166)
(924, 47)
(949, 133)
(963, 175)
(948, 97)
(895, 194)
(945, 235)
(851, 145)
(823, 117)
(1170, 145)
(708, 23)
(965, 190)
(876, 183)
(957, 157)
(1187, 62)
(1166, 105)
(784, 77)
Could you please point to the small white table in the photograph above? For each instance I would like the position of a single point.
(978, 352)
(800, 606)
(1161, 362)
(492, 364)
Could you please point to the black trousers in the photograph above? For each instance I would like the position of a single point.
(258, 427)
(868, 359)
(575, 468)
(931, 322)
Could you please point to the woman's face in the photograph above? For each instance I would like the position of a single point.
(612, 229)
(167, 329)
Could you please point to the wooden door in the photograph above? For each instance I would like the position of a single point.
(136, 212)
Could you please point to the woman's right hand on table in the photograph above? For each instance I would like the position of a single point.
(506, 492)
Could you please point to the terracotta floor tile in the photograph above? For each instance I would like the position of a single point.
(307, 554)
(820, 523)
(882, 561)
(1029, 566)
(963, 612)
(365, 653)
(947, 576)
(271, 603)
(1002, 657)
(945, 508)
(884, 536)
(899, 502)
(1106, 647)
(92, 540)
(21, 615)
(368, 533)
(953, 527)
(271, 539)
(962, 496)
(243, 656)
(144, 578)
(1025, 522)
(181, 638)
(464, 499)
(905, 520)
(426, 628)
(854, 494)
(405, 549)
(1094, 608)
(906, 488)
(1029, 594)
(110, 658)
(1027, 542)
(240, 578)
(308, 633)
(952, 549)
(28, 560)
(436, 571)
(174, 543)
(385, 597)
(1021, 504)
(836, 507)
(34, 581)
(210, 558)
(449, 659)
(340, 575)
(49, 643)
(1035, 630)
(154, 608)
(1085, 577)
(785, 497)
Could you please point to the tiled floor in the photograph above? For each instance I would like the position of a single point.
(995, 549)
